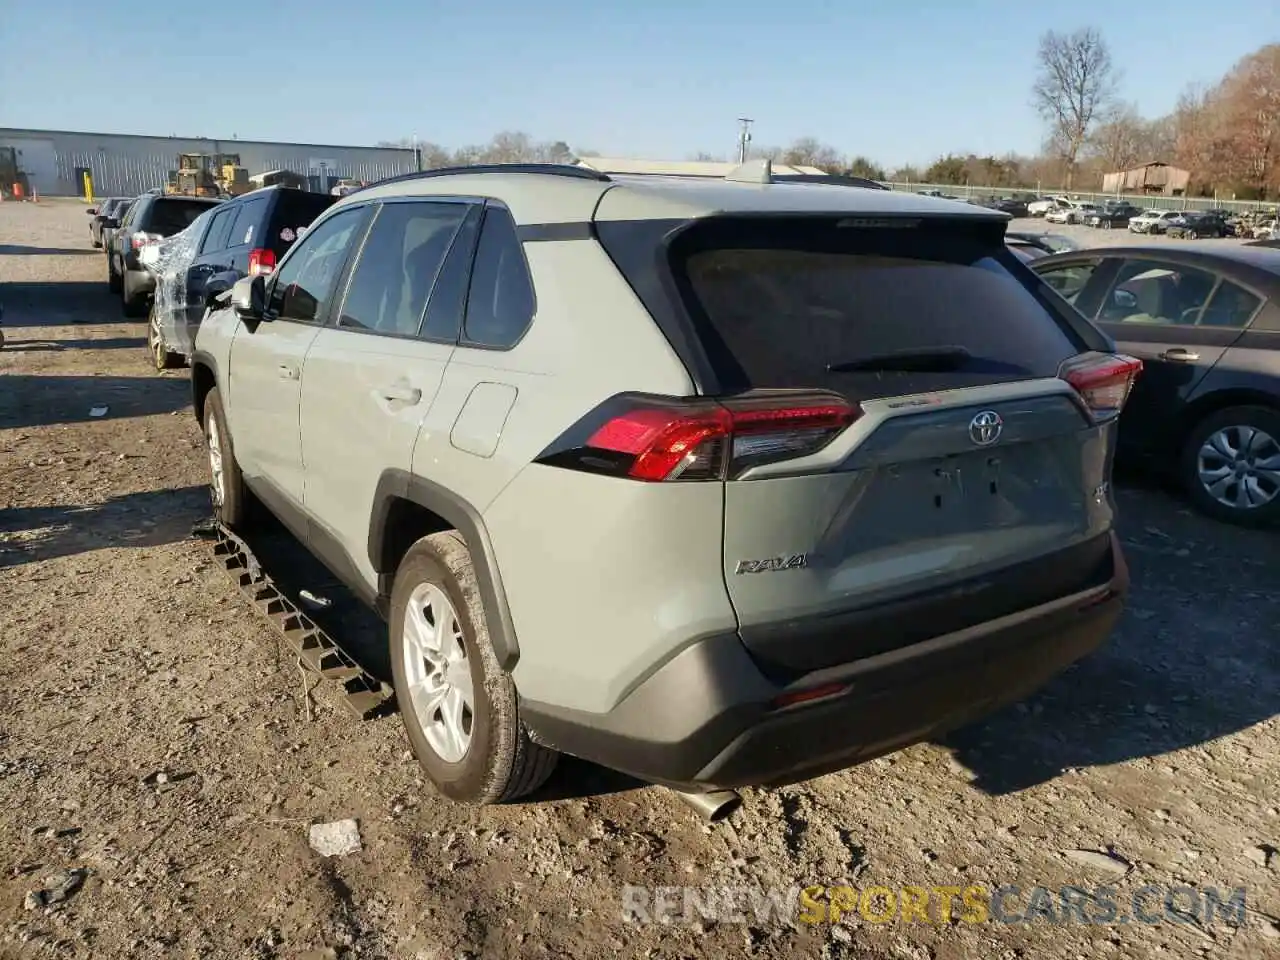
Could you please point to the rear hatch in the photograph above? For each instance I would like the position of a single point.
(916, 435)
(170, 215)
(291, 215)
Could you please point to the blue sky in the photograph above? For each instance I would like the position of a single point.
(899, 82)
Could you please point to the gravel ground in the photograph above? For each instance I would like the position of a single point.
(159, 770)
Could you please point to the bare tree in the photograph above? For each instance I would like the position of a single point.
(1120, 140)
(1075, 83)
(810, 152)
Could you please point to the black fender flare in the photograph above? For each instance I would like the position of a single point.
(396, 485)
(205, 359)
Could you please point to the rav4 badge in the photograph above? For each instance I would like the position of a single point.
(773, 564)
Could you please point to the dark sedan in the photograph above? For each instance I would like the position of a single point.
(1194, 226)
(1112, 216)
(1205, 321)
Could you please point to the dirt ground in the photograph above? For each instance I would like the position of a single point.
(159, 773)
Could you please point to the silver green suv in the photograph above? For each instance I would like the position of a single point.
(716, 482)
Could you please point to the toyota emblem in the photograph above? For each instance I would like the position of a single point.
(985, 428)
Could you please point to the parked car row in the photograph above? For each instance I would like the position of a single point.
(163, 252)
(1205, 321)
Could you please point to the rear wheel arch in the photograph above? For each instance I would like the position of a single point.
(202, 381)
(407, 508)
(1211, 403)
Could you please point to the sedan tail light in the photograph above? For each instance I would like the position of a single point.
(658, 439)
(1103, 382)
(140, 240)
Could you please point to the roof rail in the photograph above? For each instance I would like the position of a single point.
(546, 169)
(829, 178)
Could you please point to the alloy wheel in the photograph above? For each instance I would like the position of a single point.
(438, 672)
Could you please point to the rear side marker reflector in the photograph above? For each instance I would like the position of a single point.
(805, 696)
(661, 439)
(1103, 382)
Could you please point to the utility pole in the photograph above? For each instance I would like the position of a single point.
(744, 137)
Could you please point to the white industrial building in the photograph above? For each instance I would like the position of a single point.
(125, 164)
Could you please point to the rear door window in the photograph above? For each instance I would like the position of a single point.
(868, 311)
(1154, 291)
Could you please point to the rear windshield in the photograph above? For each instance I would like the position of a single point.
(781, 303)
(294, 211)
(170, 215)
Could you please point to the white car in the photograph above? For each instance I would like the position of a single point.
(1041, 208)
(1267, 230)
(1072, 213)
(1153, 221)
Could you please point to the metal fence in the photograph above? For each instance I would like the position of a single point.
(1146, 201)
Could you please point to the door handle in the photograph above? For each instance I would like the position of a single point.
(286, 372)
(409, 395)
(1180, 355)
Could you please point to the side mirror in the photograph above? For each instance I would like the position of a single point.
(1124, 300)
(219, 285)
(249, 298)
(92, 211)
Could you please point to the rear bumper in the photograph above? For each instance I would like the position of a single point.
(708, 718)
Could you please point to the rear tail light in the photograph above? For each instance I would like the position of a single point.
(1103, 381)
(140, 240)
(261, 261)
(658, 439)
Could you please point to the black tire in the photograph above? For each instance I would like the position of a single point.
(162, 358)
(113, 278)
(97, 244)
(232, 508)
(1266, 419)
(132, 304)
(501, 762)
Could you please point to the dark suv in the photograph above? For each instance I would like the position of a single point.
(151, 218)
(244, 237)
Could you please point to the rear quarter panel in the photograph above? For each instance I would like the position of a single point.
(602, 575)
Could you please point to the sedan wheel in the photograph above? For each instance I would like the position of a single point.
(1231, 465)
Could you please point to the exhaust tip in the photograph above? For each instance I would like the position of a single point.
(712, 805)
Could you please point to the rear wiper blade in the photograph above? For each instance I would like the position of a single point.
(934, 360)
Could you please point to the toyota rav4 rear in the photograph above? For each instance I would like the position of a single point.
(884, 512)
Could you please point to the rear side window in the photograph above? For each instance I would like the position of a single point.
(169, 215)
(215, 237)
(500, 303)
(248, 224)
(398, 266)
(941, 305)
